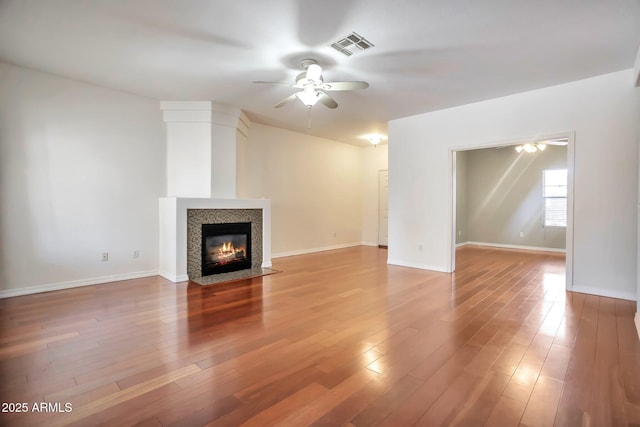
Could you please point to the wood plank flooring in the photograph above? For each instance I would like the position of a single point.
(337, 338)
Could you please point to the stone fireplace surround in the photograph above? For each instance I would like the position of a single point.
(174, 236)
(197, 217)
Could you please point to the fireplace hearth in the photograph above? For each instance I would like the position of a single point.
(200, 215)
(225, 248)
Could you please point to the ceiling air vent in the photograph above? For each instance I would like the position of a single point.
(353, 43)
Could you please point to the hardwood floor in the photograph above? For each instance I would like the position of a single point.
(337, 338)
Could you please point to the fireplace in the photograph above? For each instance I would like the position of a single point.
(226, 247)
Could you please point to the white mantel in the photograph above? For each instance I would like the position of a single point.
(173, 230)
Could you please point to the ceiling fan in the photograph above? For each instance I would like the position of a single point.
(313, 88)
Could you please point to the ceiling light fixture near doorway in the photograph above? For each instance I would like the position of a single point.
(375, 139)
(531, 148)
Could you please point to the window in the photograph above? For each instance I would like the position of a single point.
(554, 183)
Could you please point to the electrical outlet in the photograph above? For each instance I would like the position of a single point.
(136, 253)
(459, 232)
(335, 235)
(522, 234)
(420, 248)
(105, 256)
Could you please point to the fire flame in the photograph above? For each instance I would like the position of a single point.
(227, 248)
(226, 252)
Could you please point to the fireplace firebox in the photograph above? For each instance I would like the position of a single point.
(226, 247)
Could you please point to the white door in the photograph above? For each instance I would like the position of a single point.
(383, 208)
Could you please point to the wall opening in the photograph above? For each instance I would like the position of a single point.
(498, 197)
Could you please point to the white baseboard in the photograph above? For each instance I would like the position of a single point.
(519, 247)
(630, 296)
(313, 250)
(369, 244)
(8, 293)
(636, 319)
(173, 278)
(437, 268)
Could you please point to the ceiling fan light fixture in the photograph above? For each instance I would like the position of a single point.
(309, 97)
(314, 73)
(312, 87)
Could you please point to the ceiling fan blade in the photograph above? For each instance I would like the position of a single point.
(276, 83)
(285, 101)
(344, 85)
(327, 100)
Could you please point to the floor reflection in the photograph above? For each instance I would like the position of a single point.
(221, 306)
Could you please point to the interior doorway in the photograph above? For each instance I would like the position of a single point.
(500, 199)
(383, 208)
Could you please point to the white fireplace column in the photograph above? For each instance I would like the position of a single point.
(202, 142)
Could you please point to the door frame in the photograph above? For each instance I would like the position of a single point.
(570, 136)
(379, 216)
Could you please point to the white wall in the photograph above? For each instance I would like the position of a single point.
(241, 165)
(81, 171)
(602, 111)
(313, 184)
(375, 159)
(188, 159)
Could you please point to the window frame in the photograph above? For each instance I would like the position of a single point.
(545, 197)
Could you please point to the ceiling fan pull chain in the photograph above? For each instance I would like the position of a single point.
(309, 120)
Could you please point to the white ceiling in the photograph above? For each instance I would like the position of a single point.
(428, 54)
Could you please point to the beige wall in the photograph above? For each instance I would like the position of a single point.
(504, 197)
(461, 197)
(314, 185)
